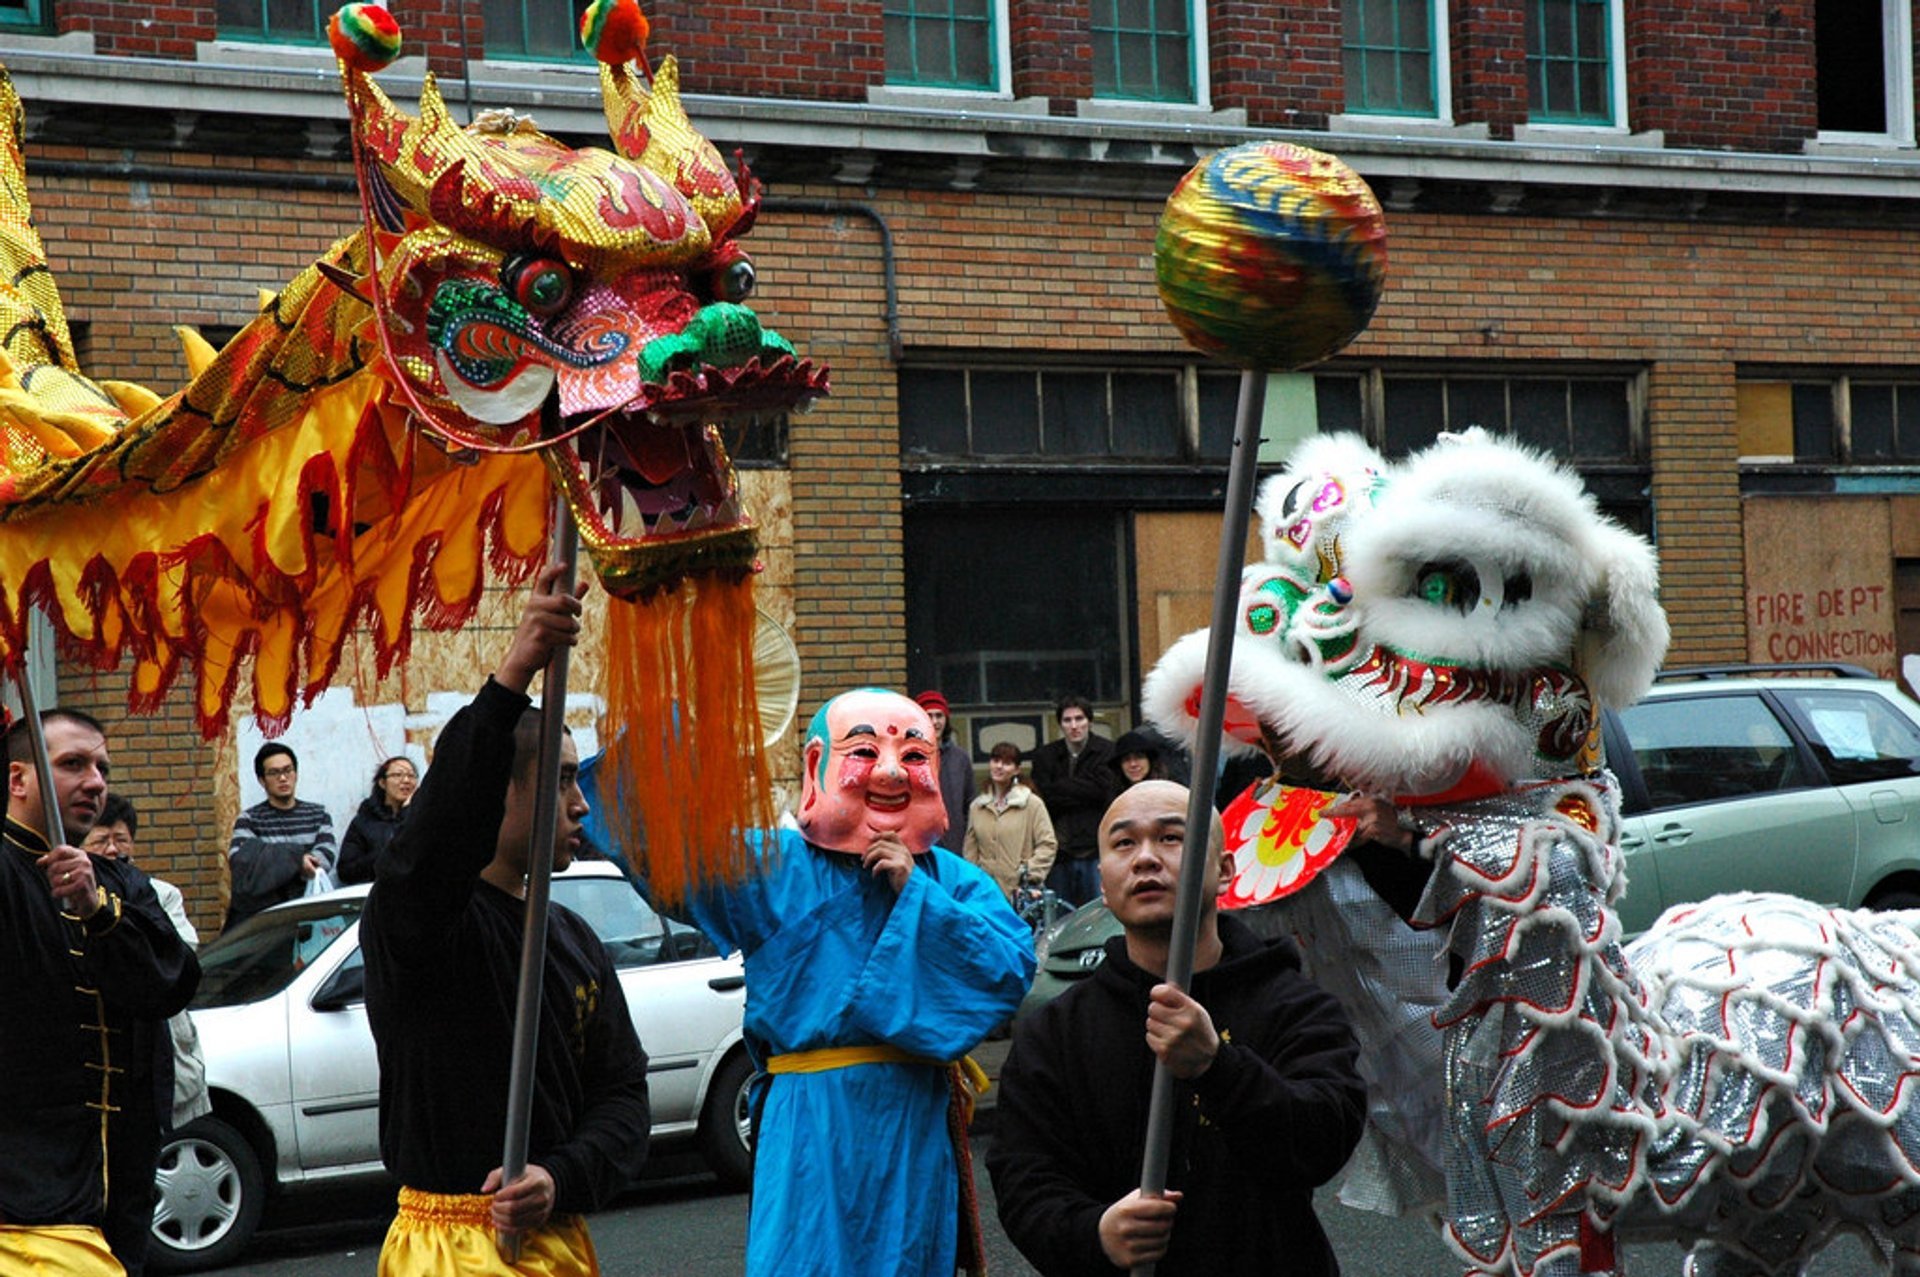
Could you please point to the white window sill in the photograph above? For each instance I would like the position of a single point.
(1588, 135)
(74, 43)
(292, 57)
(1421, 126)
(1861, 144)
(913, 98)
(1132, 112)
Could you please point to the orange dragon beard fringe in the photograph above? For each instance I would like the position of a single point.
(685, 759)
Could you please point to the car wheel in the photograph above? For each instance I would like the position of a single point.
(1898, 898)
(726, 1124)
(208, 1195)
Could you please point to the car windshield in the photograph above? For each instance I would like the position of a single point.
(634, 933)
(262, 956)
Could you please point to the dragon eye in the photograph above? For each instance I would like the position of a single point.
(543, 285)
(1448, 585)
(734, 283)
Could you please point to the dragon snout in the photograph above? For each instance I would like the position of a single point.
(722, 335)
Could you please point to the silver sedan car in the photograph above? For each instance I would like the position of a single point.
(296, 1089)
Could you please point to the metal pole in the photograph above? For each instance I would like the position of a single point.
(56, 829)
(533, 948)
(1206, 753)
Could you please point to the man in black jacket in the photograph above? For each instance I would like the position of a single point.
(1268, 1100)
(1073, 779)
(441, 931)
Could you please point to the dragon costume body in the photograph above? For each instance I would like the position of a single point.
(1443, 631)
(514, 318)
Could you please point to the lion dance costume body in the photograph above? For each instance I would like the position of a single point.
(1443, 630)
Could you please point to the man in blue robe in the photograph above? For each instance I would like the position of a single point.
(874, 959)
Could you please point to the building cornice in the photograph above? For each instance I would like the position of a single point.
(82, 99)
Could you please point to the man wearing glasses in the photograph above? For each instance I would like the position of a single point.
(279, 846)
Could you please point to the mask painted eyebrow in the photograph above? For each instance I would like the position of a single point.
(859, 729)
(914, 733)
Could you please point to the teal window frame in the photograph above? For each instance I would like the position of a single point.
(25, 15)
(1573, 60)
(906, 18)
(1143, 24)
(265, 33)
(497, 50)
(1363, 49)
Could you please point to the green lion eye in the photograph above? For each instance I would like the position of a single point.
(1447, 585)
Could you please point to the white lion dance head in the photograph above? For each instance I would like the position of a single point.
(1444, 625)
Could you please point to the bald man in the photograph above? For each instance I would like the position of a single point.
(874, 959)
(1268, 1100)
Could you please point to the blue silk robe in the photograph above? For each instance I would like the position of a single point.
(854, 1172)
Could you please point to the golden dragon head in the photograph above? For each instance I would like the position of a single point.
(590, 305)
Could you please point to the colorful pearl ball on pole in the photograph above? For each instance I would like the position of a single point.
(1271, 255)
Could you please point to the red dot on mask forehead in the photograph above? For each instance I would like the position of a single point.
(892, 730)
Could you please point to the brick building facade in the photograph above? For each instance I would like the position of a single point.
(1671, 242)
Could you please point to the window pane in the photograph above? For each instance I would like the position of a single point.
(1602, 425)
(1074, 408)
(291, 20)
(1850, 71)
(238, 17)
(1872, 423)
(550, 29)
(1106, 71)
(1024, 627)
(1133, 15)
(1146, 415)
(1907, 413)
(1591, 86)
(1704, 748)
(1540, 413)
(1416, 83)
(1338, 402)
(1136, 65)
(1857, 737)
(973, 54)
(1170, 16)
(932, 51)
(1005, 413)
(933, 411)
(1414, 411)
(1813, 433)
(1175, 82)
(899, 32)
(1219, 402)
(1416, 26)
(1476, 402)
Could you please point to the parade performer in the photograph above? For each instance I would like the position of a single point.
(873, 960)
(442, 936)
(1268, 1097)
(92, 968)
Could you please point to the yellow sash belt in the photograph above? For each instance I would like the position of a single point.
(826, 1058)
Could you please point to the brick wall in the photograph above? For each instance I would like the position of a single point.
(1727, 75)
(1489, 42)
(126, 28)
(1053, 51)
(825, 49)
(1280, 62)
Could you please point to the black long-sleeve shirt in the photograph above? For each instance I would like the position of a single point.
(71, 996)
(442, 955)
(1275, 1115)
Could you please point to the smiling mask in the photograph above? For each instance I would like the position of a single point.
(872, 766)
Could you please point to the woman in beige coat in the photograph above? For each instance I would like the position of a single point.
(1008, 830)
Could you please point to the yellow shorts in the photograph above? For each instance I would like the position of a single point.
(451, 1235)
(56, 1250)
